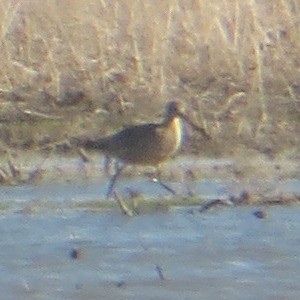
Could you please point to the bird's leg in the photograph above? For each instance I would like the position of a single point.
(107, 166)
(162, 184)
(112, 182)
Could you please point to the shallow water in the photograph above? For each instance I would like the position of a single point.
(224, 253)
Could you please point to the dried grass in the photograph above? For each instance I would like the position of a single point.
(99, 64)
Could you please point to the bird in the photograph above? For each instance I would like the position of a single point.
(147, 144)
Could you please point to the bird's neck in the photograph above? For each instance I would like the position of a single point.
(169, 119)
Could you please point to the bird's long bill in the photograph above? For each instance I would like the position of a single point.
(195, 126)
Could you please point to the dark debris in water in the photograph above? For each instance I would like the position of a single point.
(260, 214)
(75, 253)
(245, 198)
(159, 271)
(213, 203)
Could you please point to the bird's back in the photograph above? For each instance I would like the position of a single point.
(147, 144)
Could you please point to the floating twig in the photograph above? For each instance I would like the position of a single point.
(126, 211)
(215, 202)
(159, 271)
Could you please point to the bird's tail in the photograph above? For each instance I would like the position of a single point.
(87, 143)
(96, 144)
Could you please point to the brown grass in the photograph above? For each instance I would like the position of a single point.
(71, 67)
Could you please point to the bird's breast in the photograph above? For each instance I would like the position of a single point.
(176, 128)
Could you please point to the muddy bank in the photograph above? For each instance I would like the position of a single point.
(75, 183)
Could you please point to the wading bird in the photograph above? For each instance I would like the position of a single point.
(146, 144)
